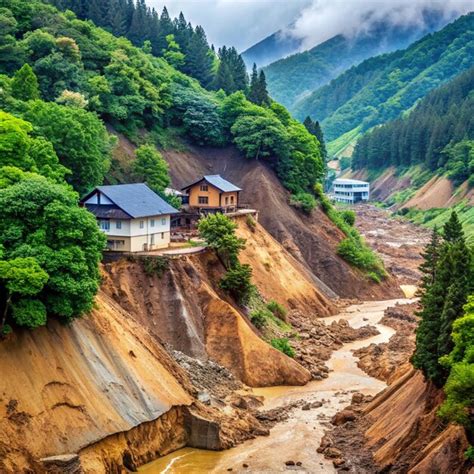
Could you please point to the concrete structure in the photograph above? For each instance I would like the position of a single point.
(133, 217)
(213, 193)
(350, 191)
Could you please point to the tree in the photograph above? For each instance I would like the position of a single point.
(150, 166)
(173, 53)
(51, 249)
(25, 84)
(79, 139)
(238, 283)
(199, 58)
(258, 93)
(430, 261)
(219, 233)
(314, 128)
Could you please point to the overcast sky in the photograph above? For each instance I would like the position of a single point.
(242, 23)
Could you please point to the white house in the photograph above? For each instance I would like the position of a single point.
(350, 191)
(133, 217)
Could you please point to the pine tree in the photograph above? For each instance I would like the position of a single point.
(315, 129)
(258, 93)
(224, 79)
(25, 84)
(262, 88)
(199, 61)
(452, 231)
(430, 261)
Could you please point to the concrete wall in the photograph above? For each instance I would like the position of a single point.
(213, 197)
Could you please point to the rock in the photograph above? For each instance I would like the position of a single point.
(316, 404)
(290, 463)
(204, 397)
(299, 463)
(338, 462)
(343, 417)
(357, 398)
(245, 465)
(306, 406)
(332, 453)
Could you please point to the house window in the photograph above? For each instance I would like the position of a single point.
(203, 200)
(232, 199)
(152, 241)
(152, 223)
(105, 225)
(162, 235)
(226, 201)
(203, 187)
(163, 221)
(118, 224)
(142, 224)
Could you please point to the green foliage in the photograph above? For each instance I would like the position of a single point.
(231, 74)
(259, 318)
(257, 92)
(238, 283)
(150, 166)
(250, 221)
(51, 250)
(447, 280)
(218, 231)
(437, 134)
(79, 138)
(277, 309)
(348, 217)
(18, 148)
(314, 128)
(382, 87)
(283, 345)
(469, 454)
(304, 201)
(155, 265)
(172, 53)
(25, 84)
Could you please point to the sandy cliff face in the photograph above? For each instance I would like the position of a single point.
(406, 435)
(66, 387)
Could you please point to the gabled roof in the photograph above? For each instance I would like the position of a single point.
(137, 200)
(218, 182)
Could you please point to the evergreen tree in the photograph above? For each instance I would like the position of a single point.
(258, 93)
(315, 129)
(224, 79)
(253, 90)
(264, 98)
(199, 61)
(430, 261)
(25, 84)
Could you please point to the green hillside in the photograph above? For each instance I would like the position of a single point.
(437, 134)
(381, 88)
(292, 78)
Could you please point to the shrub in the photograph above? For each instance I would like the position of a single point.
(304, 201)
(283, 345)
(251, 223)
(237, 282)
(277, 309)
(348, 217)
(259, 318)
(469, 454)
(156, 265)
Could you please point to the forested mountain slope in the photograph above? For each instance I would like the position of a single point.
(381, 88)
(291, 78)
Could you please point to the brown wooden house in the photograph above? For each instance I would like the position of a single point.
(213, 193)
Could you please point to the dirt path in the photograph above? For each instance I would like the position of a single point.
(296, 439)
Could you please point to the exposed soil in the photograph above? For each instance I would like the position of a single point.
(398, 242)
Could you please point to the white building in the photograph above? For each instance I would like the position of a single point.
(350, 191)
(133, 217)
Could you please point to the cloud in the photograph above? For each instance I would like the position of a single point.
(323, 19)
(239, 23)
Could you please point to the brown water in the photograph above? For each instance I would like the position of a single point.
(297, 438)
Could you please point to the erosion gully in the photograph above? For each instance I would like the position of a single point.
(297, 438)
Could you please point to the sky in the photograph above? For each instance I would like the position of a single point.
(242, 23)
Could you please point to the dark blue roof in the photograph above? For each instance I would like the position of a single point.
(137, 200)
(218, 182)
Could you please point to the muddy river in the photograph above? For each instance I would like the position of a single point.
(297, 438)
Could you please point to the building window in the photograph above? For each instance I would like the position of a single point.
(142, 224)
(105, 225)
(118, 224)
(163, 221)
(203, 187)
(232, 199)
(226, 200)
(152, 241)
(152, 223)
(162, 235)
(203, 200)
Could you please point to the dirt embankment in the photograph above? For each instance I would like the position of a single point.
(310, 239)
(399, 430)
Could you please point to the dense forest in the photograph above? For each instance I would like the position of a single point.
(438, 134)
(62, 80)
(185, 47)
(381, 88)
(293, 77)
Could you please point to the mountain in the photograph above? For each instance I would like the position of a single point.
(381, 88)
(273, 47)
(293, 77)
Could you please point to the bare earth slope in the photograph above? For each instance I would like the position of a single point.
(311, 239)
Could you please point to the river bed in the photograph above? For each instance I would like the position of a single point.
(297, 438)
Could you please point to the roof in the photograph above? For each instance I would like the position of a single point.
(218, 182)
(137, 200)
(349, 181)
(107, 211)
